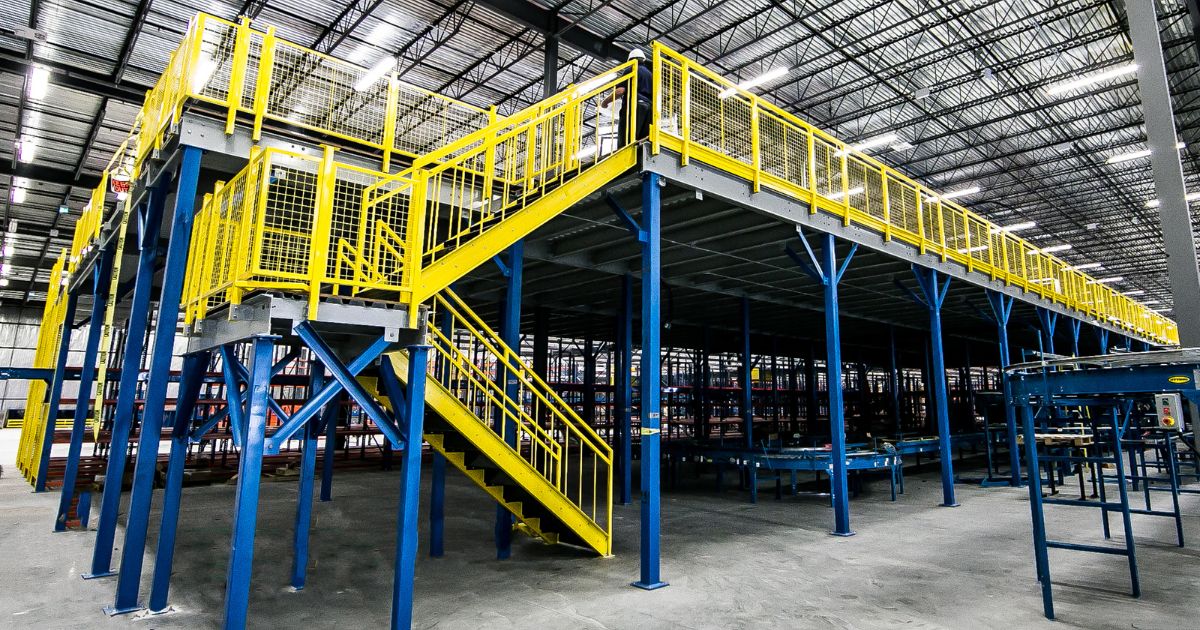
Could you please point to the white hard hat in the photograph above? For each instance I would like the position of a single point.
(636, 53)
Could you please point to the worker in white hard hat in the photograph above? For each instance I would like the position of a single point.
(645, 88)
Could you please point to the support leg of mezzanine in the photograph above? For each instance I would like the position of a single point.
(510, 334)
(150, 221)
(138, 519)
(1040, 553)
(934, 291)
(194, 368)
(651, 377)
(245, 504)
(87, 378)
(412, 423)
(437, 488)
(1001, 311)
(54, 395)
(624, 387)
(826, 271)
(331, 415)
(304, 491)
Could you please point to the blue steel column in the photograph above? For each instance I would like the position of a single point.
(1001, 309)
(1049, 321)
(54, 396)
(330, 420)
(150, 434)
(510, 334)
(1102, 338)
(304, 491)
(624, 386)
(747, 373)
(894, 379)
(192, 377)
(650, 381)
(833, 371)
(245, 503)
(1040, 555)
(87, 378)
(149, 224)
(410, 489)
(935, 295)
(1075, 327)
(437, 492)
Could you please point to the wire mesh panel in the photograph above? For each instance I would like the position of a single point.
(706, 117)
(36, 423)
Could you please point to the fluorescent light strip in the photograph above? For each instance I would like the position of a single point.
(381, 68)
(1134, 292)
(962, 192)
(1134, 155)
(871, 143)
(769, 75)
(1092, 79)
(26, 149)
(1015, 227)
(1051, 249)
(1084, 266)
(1154, 203)
(39, 82)
(1148, 302)
(857, 190)
(1106, 280)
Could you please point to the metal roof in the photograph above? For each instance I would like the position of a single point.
(964, 83)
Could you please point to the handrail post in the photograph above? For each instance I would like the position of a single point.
(812, 170)
(755, 143)
(237, 74)
(262, 87)
(885, 196)
(414, 238)
(389, 121)
(920, 219)
(656, 89)
(685, 110)
(321, 229)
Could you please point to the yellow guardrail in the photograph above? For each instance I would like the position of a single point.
(33, 427)
(705, 117)
(472, 362)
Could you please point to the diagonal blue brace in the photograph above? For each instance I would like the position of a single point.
(87, 377)
(347, 379)
(234, 397)
(626, 220)
(1101, 338)
(1049, 321)
(323, 397)
(934, 292)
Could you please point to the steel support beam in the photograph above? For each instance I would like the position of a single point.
(138, 519)
(150, 220)
(746, 377)
(304, 491)
(87, 379)
(412, 420)
(624, 387)
(1179, 238)
(1001, 311)
(510, 334)
(651, 380)
(934, 291)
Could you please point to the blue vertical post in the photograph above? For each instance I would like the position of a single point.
(150, 435)
(1101, 338)
(826, 271)
(1075, 328)
(54, 396)
(245, 503)
(192, 377)
(831, 277)
(510, 334)
(935, 292)
(650, 381)
(330, 420)
(1001, 310)
(413, 419)
(1040, 554)
(894, 380)
(747, 372)
(149, 223)
(624, 386)
(87, 378)
(1049, 321)
(437, 492)
(304, 491)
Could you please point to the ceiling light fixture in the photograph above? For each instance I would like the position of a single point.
(870, 143)
(1135, 292)
(376, 73)
(1134, 155)
(1051, 249)
(39, 82)
(1106, 280)
(1083, 267)
(26, 149)
(769, 75)
(1154, 203)
(1015, 227)
(954, 194)
(1092, 79)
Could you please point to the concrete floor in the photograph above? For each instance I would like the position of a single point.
(730, 565)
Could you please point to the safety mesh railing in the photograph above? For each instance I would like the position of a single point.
(476, 366)
(295, 223)
(34, 424)
(494, 174)
(705, 117)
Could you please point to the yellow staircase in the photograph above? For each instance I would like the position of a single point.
(557, 481)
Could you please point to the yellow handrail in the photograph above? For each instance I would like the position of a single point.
(34, 425)
(474, 364)
(704, 116)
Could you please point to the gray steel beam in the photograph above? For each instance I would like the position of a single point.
(1178, 236)
(548, 22)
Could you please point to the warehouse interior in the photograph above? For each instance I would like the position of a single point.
(599, 314)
